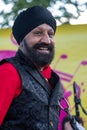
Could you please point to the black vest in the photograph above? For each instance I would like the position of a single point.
(36, 108)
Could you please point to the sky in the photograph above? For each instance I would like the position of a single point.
(81, 20)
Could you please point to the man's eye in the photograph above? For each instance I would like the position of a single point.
(51, 35)
(38, 33)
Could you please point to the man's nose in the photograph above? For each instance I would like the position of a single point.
(46, 39)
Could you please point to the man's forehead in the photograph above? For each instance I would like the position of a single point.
(44, 26)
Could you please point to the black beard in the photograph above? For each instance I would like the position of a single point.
(40, 59)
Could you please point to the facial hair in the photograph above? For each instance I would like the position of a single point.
(39, 58)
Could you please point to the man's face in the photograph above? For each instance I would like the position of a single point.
(38, 45)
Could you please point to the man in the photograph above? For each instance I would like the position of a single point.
(29, 89)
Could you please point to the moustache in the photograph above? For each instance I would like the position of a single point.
(44, 45)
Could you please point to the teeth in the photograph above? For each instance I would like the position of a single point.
(43, 48)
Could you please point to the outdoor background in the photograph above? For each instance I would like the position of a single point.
(70, 59)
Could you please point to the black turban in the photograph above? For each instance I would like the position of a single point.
(29, 19)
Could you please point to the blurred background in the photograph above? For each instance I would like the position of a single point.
(65, 11)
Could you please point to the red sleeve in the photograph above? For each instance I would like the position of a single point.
(10, 87)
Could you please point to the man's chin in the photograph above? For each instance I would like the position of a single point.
(42, 63)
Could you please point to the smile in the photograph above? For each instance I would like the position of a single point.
(43, 50)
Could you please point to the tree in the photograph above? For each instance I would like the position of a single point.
(62, 7)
